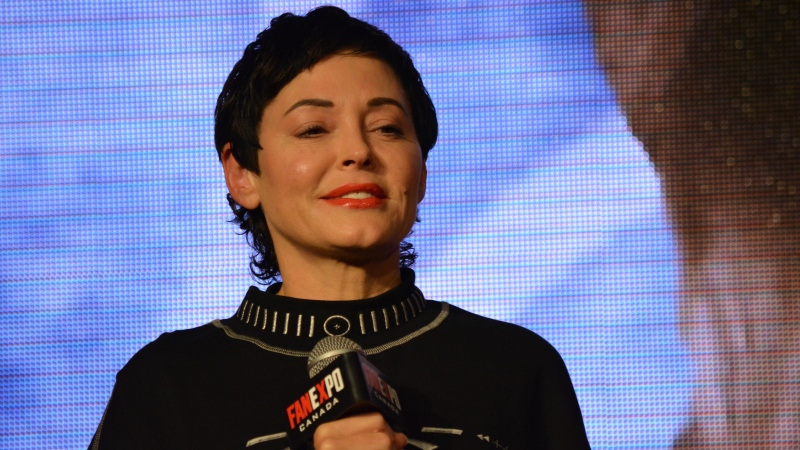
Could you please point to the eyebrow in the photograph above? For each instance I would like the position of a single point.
(310, 102)
(380, 101)
(375, 102)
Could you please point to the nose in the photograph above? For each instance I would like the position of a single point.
(356, 150)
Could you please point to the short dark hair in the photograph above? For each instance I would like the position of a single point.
(289, 46)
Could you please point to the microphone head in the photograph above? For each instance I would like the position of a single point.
(327, 350)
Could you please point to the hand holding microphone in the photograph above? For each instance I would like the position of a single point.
(350, 403)
(367, 431)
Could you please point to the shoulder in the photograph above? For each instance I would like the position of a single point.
(530, 369)
(483, 337)
(172, 349)
(496, 331)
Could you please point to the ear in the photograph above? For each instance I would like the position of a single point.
(240, 181)
(423, 182)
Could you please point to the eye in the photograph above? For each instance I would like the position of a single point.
(311, 131)
(390, 130)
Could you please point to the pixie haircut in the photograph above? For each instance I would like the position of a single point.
(289, 46)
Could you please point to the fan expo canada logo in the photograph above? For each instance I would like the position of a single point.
(316, 402)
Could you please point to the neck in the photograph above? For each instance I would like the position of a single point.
(316, 278)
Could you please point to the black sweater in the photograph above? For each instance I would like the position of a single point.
(466, 382)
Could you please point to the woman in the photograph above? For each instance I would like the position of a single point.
(322, 128)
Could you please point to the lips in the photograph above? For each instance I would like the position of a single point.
(363, 195)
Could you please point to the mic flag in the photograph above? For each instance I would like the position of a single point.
(343, 383)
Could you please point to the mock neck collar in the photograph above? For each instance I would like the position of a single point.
(271, 317)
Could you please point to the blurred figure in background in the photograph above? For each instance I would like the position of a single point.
(711, 89)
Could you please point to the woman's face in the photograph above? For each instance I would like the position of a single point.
(341, 167)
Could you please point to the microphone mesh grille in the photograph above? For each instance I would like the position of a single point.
(328, 344)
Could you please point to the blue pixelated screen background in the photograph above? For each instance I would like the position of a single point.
(542, 208)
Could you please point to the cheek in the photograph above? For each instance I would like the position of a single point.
(301, 170)
(413, 177)
(290, 176)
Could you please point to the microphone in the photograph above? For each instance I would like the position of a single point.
(326, 351)
(343, 383)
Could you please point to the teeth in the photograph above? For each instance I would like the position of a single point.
(357, 195)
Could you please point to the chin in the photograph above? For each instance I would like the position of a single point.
(366, 235)
(362, 249)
